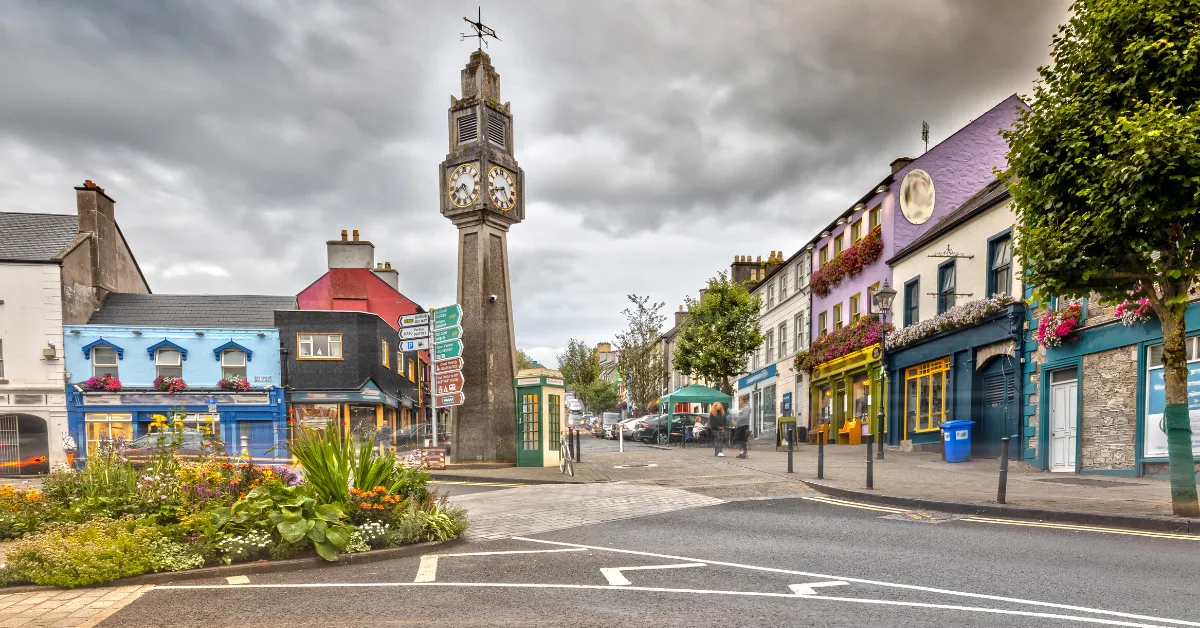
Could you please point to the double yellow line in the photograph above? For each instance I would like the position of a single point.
(848, 504)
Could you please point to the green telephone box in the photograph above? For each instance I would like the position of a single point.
(540, 415)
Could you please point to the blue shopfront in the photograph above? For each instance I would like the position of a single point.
(760, 387)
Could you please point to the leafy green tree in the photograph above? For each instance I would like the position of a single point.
(600, 396)
(579, 365)
(1107, 178)
(640, 359)
(523, 360)
(719, 333)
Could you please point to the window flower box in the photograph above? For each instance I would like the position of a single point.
(867, 331)
(106, 383)
(958, 317)
(169, 384)
(235, 383)
(1059, 326)
(848, 263)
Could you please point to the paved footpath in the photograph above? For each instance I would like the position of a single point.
(78, 608)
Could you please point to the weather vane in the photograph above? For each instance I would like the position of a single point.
(481, 31)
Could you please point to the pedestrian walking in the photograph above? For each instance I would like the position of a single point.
(716, 426)
(742, 427)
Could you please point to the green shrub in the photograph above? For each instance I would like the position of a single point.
(169, 555)
(74, 555)
(357, 543)
(326, 457)
(287, 514)
(252, 545)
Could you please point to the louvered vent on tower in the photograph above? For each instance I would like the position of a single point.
(495, 130)
(468, 129)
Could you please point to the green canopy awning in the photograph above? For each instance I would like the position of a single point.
(696, 394)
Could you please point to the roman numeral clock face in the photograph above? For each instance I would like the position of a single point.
(502, 187)
(464, 185)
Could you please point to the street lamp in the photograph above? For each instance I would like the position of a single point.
(883, 298)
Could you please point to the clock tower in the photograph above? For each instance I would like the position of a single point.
(483, 194)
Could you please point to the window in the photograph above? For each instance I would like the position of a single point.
(103, 426)
(856, 230)
(770, 344)
(800, 333)
(839, 244)
(925, 399)
(871, 290)
(837, 316)
(824, 255)
(233, 362)
(168, 363)
(912, 300)
(104, 362)
(946, 287)
(783, 286)
(1000, 266)
(874, 218)
(1, 358)
(412, 371)
(319, 346)
(783, 348)
(771, 295)
(800, 274)
(821, 325)
(399, 363)
(387, 354)
(555, 422)
(854, 308)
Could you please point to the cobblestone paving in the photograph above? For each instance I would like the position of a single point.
(79, 608)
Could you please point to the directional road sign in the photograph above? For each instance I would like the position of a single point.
(414, 332)
(449, 316)
(453, 399)
(446, 366)
(449, 333)
(410, 320)
(414, 345)
(451, 382)
(444, 350)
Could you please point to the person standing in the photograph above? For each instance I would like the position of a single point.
(716, 426)
(742, 427)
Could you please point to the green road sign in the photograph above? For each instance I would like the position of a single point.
(447, 350)
(450, 333)
(449, 316)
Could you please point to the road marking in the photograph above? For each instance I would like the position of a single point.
(466, 483)
(609, 587)
(238, 580)
(840, 502)
(427, 572)
(1065, 526)
(807, 589)
(910, 587)
(553, 551)
(616, 578)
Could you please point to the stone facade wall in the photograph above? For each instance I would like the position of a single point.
(1099, 312)
(1108, 422)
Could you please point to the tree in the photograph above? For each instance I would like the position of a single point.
(1107, 178)
(600, 396)
(719, 333)
(639, 359)
(579, 364)
(523, 360)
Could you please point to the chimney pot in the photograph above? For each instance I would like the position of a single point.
(899, 163)
(387, 265)
(356, 235)
(759, 259)
(343, 235)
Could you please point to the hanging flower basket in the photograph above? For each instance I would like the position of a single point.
(1059, 326)
(236, 383)
(169, 384)
(866, 332)
(965, 315)
(107, 383)
(848, 263)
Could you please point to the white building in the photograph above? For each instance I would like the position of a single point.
(54, 269)
(773, 387)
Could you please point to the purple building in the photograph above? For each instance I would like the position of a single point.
(848, 262)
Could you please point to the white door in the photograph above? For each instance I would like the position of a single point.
(1063, 414)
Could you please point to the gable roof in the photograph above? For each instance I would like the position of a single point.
(191, 310)
(989, 196)
(35, 237)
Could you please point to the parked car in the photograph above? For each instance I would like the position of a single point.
(145, 447)
(654, 429)
(629, 429)
(607, 421)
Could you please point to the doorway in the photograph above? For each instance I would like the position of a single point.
(529, 430)
(1064, 414)
(999, 414)
(24, 445)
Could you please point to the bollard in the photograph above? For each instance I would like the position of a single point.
(821, 456)
(578, 445)
(621, 440)
(1003, 488)
(879, 431)
(870, 462)
(791, 445)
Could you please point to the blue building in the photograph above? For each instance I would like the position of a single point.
(202, 339)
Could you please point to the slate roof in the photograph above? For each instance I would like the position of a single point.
(35, 237)
(985, 198)
(191, 310)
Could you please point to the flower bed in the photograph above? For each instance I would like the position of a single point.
(866, 332)
(113, 519)
(848, 263)
(1058, 326)
(957, 317)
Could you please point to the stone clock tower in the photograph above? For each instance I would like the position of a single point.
(483, 194)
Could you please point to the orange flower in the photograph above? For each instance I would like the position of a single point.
(365, 506)
(380, 489)
(379, 507)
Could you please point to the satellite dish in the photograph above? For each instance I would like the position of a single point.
(916, 196)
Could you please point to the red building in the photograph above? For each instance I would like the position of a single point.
(354, 282)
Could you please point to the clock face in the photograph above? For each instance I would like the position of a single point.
(916, 196)
(502, 187)
(463, 185)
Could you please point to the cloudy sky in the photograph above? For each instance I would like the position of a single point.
(659, 139)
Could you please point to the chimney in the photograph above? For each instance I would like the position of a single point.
(899, 163)
(389, 275)
(679, 316)
(350, 253)
(95, 209)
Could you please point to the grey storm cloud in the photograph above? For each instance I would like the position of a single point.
(658, 138)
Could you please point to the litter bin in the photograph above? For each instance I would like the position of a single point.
(956, 440)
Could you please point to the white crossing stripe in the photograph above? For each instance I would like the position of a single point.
(427, 572)
(237, 580)
(616, 578)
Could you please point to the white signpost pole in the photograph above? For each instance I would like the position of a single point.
(433, 380)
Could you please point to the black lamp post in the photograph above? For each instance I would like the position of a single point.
(883, 298)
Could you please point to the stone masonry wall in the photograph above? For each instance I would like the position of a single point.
(1109, 414)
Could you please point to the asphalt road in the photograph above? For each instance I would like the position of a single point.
(590, 443)
(734, 564)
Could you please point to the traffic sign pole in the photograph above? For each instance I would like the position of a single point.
(433, 389)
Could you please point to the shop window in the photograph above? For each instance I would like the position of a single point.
(874, 218)
(316, 415)
(925, 388)
(860, 394)
(1000, 266)
(104, 362)
(100, 427)
(856, 231)
(168, 363)
(824, 405)
(319, 346)
(387, 354)
(839, 244)
(946, 286)
(233, 363)
(837, 316)
(912, 302)
(821, 325)
(854, 308)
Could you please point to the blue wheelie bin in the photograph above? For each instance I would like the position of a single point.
(956, 440)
